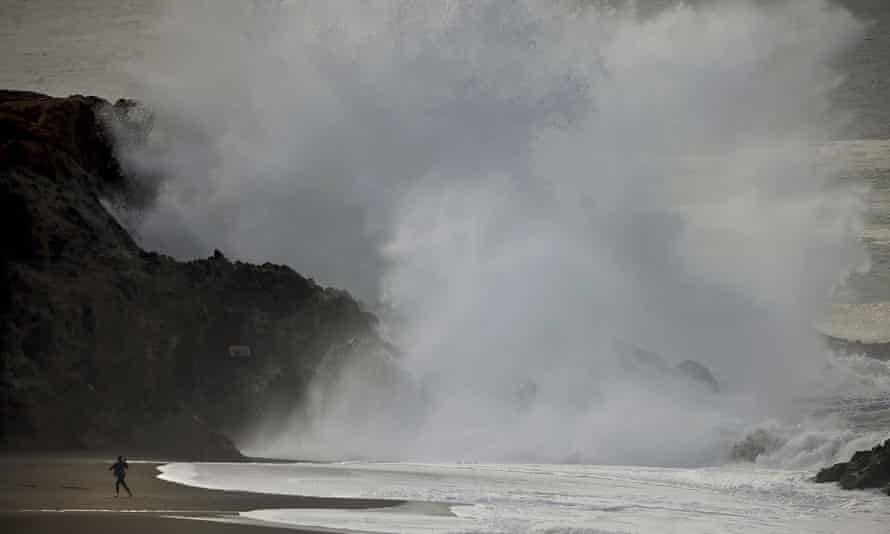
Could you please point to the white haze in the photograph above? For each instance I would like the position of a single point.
(527, 186)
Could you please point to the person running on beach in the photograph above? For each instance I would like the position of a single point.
(120, 472)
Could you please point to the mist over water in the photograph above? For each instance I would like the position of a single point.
(527, 189)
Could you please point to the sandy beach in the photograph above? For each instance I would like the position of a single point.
(48, 494)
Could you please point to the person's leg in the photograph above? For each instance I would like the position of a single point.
(117, 487)
(126, 487)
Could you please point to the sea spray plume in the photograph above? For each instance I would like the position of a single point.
(316, 121)
(528, 184)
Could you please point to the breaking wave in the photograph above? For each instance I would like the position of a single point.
(522, 189)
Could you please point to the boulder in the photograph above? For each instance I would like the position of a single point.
(866, 469)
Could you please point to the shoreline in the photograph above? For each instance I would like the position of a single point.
(43, 493)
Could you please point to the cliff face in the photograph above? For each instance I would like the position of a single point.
(105, 345)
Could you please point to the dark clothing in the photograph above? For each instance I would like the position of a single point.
(119, 468)
(117, 487)
(120, 472)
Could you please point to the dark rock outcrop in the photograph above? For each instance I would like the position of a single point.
(651, 366)
(865, 470)
(698, 373)
(103, 344)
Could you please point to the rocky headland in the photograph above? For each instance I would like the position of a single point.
(106, 346)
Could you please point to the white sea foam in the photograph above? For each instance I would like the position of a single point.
(525, 184)
(555, 498)
(808, 445)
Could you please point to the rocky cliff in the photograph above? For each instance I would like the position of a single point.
(108, 346)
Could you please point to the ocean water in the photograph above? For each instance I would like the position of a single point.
(772, 494)
(519, 498)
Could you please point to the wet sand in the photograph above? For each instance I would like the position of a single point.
(76, 495)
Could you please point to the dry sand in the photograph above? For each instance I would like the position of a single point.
(76, 495)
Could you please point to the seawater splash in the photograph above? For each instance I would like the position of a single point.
(526, 187)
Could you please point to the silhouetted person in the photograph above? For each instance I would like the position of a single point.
(120, 472)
